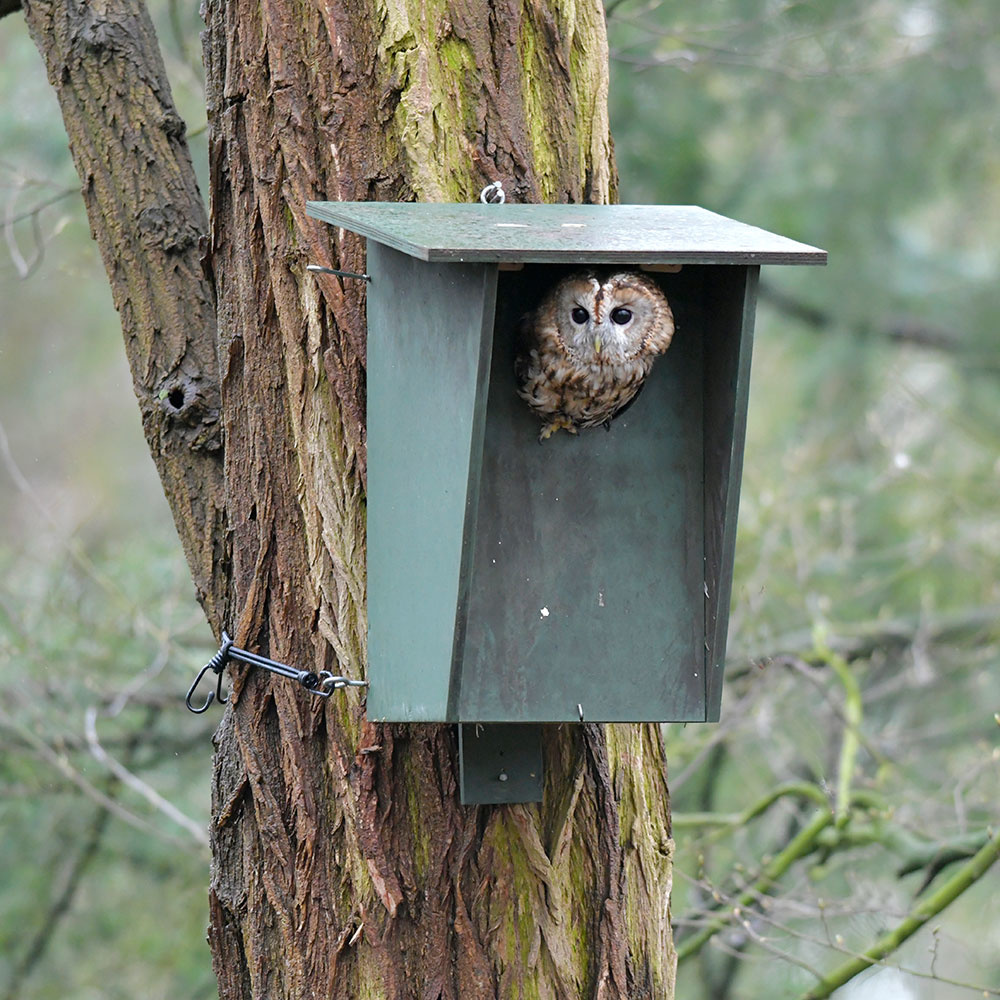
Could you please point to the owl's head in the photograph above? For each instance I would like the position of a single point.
(613, 318)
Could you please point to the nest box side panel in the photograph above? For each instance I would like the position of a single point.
(587, 587)
(429, 334)
(732, 299)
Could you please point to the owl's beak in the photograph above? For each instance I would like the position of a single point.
(597, 345)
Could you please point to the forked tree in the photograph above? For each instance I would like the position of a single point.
(343, 862)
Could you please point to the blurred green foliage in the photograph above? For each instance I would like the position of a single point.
(868, 520)
(102, 894)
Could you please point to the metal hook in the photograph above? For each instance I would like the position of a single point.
(219, 696)
(216, 664)
(191, 690)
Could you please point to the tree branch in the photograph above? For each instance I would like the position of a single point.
(852, 725)
(802, 844)
(861, 641)
(790, 789)
(9, 6)
(71, 879)
(905, 329)
(126, 776)
(148, 218)
(930, 907)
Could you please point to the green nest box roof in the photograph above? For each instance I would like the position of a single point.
(635, 234)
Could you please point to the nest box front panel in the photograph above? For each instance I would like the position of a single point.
(429, 329)
(518, 581)
(586, 591)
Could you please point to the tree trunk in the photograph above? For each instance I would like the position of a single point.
(127, 142)
(344, 865)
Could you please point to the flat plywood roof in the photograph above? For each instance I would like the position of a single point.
(642, 234)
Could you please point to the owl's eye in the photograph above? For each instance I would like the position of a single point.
(580, 315)
(621, 315)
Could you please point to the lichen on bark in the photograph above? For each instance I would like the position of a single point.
(509, 91)
(149, 221)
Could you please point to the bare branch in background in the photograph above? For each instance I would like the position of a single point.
(862, 640)
(70, 878)
(26, 266)
(930, 907)
(905, 329)
(62, 765)
(133, 781)
(32, 212)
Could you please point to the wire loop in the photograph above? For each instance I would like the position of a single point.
(493, 194)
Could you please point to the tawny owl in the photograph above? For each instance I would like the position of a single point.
(588, 347)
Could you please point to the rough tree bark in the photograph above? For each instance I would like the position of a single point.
(343, 864)
(149, 220)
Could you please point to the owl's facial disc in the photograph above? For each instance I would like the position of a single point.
(603, 319)
(610, 332)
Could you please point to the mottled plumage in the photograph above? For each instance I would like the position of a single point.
(588, 347)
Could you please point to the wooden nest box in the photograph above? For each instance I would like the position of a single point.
(584, 578)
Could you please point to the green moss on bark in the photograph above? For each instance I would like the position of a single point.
(639, 768)
(453, 102)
